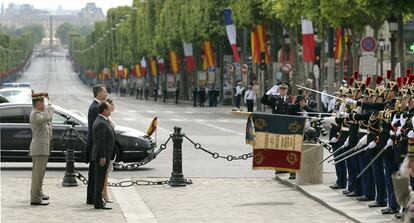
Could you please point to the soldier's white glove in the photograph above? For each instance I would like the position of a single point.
(394, 120)
(398, 132)
(333, 140)
(362, 142)
(329, 120)
(346, 143)
(410, 134)
(350, 101)
(389, 143)
(392, 132)
(273, 91)
(371, 145)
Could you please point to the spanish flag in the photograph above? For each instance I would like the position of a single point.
(205, 63)
(152, 127)
(173, 62)
(125, 72)
(261, 39)
(208, 52)
(153, 67)
(255, 47)
(138, 70)
(339, 43)
(116, 71)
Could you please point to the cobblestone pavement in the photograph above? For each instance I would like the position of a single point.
(207, 200)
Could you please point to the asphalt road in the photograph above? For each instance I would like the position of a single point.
(216, 129)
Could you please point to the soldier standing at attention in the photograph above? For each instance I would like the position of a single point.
(40, 122)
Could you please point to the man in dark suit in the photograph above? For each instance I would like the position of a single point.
(103, 147)
(100, 94)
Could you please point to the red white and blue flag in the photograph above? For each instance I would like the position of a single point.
(189, 58)
(308, 41)
(231, 33)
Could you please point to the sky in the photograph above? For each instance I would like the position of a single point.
(69, 4)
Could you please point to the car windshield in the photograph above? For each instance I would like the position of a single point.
(73, 115)
(17, 94)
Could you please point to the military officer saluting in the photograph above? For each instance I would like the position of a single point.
(277, 98)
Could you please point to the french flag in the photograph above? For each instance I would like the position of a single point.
(308, 41)
(231, 33)
(189, 58)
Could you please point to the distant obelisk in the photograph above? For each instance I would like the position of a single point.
(51, 33)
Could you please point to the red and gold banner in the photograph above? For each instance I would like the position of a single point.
(262, 42)
(153, 65)
(173, 62)
(278, 141)
(138, 70)
(116, 71)
(209, 54)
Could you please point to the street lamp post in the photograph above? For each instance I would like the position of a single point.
(393, 26)
(381, 49)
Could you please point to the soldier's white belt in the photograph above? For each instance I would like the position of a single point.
(346, 129)
(363, 130)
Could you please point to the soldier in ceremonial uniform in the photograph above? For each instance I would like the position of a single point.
(280, 102)
(386, 142)
(373, 117)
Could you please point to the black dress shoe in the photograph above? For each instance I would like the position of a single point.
(398, 215)
(40, 203)
(389, 211)
(376, 204)
(45, 197)
(292, 176)
(103, 207)
(363, 198)
(346, 192)
(336, 186)
(352, 194)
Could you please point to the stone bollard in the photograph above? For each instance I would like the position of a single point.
(310, 171)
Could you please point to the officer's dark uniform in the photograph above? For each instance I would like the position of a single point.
(279, 104)
(389, 109)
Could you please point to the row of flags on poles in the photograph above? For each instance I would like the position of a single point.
(260, 51)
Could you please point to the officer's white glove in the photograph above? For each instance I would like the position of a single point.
(398, 132)
(410, 134)
(346, 143)
(333, 140)
(389, 143)
(392, 133)
(371, 145)
(361, 142)
(273, 91)
(394, 120)
(329, 120)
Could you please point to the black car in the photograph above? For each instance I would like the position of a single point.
(16, 136)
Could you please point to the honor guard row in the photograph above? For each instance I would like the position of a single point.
(371, 128)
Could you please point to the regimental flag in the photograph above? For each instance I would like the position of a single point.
(153, 64)
(250, 133)
(278, 141)
(189, 58)
(308, 41)
(138, 70)
(152, 127)
(209, 54)
(260, 35)
(231, 33)
(161, 63)
(339, 47)
(143, 67)
(173, 62)
(255, 47)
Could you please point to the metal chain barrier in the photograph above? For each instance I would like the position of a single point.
(129, 183)
(131, 166)
(215, 155)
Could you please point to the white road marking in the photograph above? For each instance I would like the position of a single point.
(128, 119)
(169, 112)
(132, 111)
(219, 128)
(132, 206)
(151, 112)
